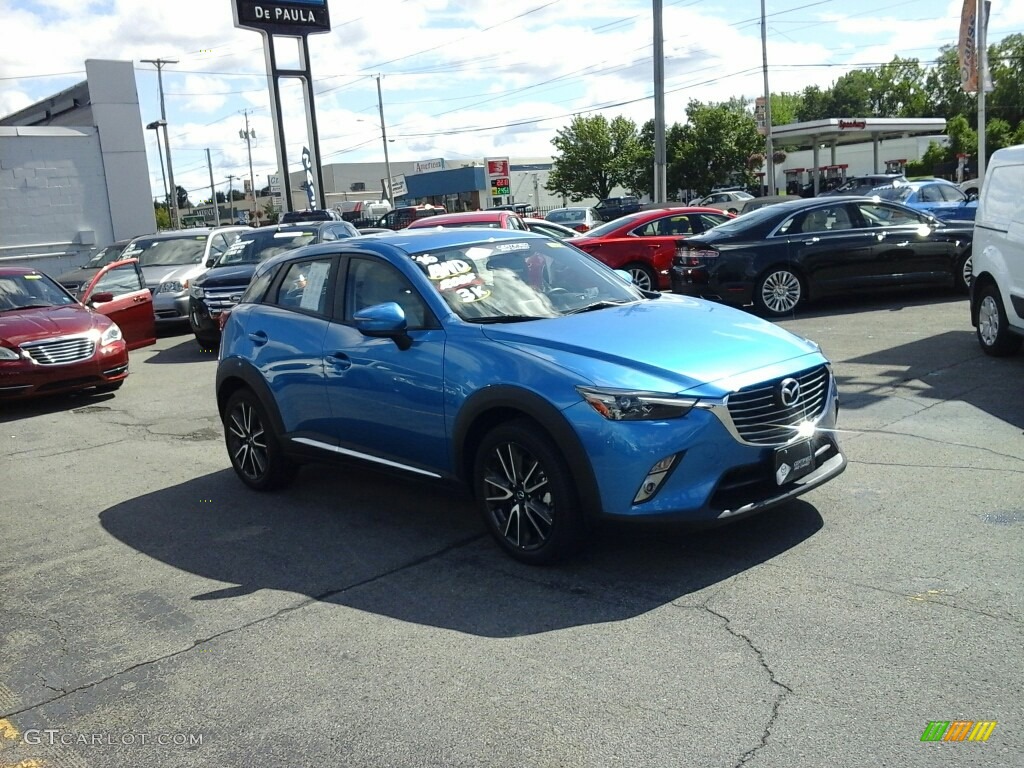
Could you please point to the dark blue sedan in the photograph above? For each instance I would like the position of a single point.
(555, 389)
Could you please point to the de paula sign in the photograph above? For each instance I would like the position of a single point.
(283, 17)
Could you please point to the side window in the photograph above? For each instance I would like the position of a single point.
(218, 245)
(327, 234)
(373, 282)
(709, 220)
(951, 194)
(877, 215)
(514, 222)
(119, 281)
(930, 194)
(304, 286)
(258, 288)
(832, 219)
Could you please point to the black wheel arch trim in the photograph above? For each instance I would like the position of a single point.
(547, 416)
(242, 370)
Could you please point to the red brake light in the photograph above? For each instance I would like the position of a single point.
(581, 228)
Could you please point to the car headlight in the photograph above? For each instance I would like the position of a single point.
(112, 334)
(8, 354)
(196, 291)
(173, 286)
(634, 405)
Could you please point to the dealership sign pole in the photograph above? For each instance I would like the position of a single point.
(295, 19)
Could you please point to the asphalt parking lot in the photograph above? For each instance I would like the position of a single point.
(154, 612)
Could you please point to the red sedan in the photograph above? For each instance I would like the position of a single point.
(644, 243)
(50, 342)
(493, 219)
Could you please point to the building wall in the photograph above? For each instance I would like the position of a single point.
(74, 178)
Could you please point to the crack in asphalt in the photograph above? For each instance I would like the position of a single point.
(276, 614)
(933, 466)
(786, 690)
(850, 434)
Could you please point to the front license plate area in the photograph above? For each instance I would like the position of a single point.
(793, 462)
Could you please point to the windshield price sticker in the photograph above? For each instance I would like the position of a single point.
(504, 247)
(446, 269)
(458, 281)
(472, 293)
(425, 258)
(237, 247)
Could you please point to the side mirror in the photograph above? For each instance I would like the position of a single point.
(101, 298)
(385, 321)
(210, 262)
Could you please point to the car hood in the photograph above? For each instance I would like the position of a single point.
(235, 274)
(158, 273)
(20, 326)
(669, 344)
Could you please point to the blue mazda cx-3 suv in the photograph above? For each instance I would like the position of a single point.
(557, 391)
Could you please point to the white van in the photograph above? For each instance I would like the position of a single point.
(997, 287)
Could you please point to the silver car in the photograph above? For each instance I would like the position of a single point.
(171, 260)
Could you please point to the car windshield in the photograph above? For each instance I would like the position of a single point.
(153, 252)
(254, 248)
(104, 256)
(527, 279)
(623, 221)
(567, 214)
(31, 290)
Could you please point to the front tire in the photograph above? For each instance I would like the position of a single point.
(208, 343)
(993, 329)
(525, 493)
(778, 292)
(963, 276)
(253, 446)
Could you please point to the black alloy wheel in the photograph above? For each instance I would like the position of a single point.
(253, 447)
(525, 494)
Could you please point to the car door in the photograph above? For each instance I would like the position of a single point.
(132, 304)
(906, 250)
(386, 403)
(832, 248)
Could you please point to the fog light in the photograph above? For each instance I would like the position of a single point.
(655, 477)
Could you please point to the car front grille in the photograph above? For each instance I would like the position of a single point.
(60, 351)
(760, 417)
(219, 299)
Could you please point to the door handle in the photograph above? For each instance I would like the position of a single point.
(259, 338)
(812, 241)
(140, 299)
(340, 360)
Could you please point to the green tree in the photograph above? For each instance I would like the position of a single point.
(942, 87)
(899, 89)
(855, 94)
(163, 216)
(786, 108)
(1006, 63)
(714, 146)
(815, 104)
(595, 156)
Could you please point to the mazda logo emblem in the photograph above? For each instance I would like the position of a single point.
(789, 392)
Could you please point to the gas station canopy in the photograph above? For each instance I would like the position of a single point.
(853, 130)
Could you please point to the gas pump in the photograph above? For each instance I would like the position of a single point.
(835, 175)
(794, 180)
(896, 166)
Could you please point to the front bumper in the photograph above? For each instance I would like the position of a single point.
(21, 379)
(171, 307)
(717, 476)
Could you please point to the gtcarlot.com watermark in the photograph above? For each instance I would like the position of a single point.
(53, 737)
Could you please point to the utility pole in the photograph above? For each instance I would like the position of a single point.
(159, 64)
(769, 149)
(660, 152)
(231, 198)
(384, 135)
(981, 54)
(249, 135)
(213, 189)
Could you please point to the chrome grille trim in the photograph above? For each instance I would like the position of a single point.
(61, 350)
(219, 299)
(759, 420)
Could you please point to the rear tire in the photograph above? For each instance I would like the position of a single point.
(253, 446)
(525, 493)
(643, 276)
(993, 329)
(962, 278)
(779, 291)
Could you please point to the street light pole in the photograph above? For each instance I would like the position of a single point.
(769, 149)
(159, 64)
(384, 136)
(231, 198)
(155, 127)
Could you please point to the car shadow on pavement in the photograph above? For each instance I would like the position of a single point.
(186, 351)
(418, 552)
(890, 300)
(947, 366)
(14, 410)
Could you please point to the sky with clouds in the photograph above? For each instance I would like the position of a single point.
(461, 79)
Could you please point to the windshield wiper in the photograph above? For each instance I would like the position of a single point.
(603, 304)
(505, 318)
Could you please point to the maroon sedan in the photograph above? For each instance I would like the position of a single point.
(644, 243)
(51, 342)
